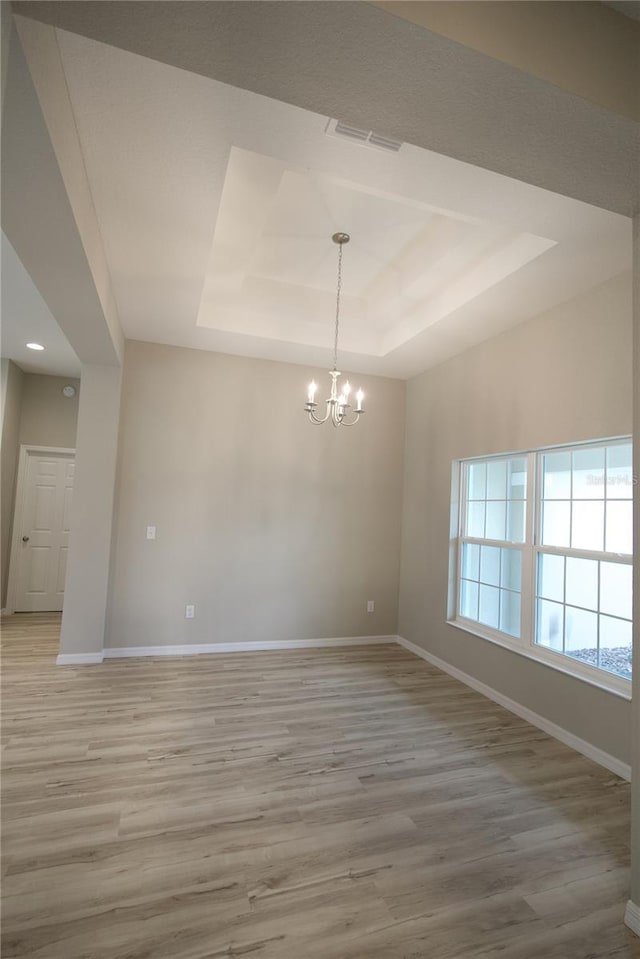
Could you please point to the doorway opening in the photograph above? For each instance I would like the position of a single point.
(41, 529)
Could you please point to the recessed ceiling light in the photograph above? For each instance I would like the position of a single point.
(35, 346)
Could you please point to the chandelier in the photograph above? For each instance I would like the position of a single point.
(337, 406)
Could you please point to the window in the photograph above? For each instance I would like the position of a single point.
(544, 555)
(493, 523)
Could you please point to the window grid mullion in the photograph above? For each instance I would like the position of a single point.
(624, 559)
(598, 618)
(527, 585)
(460, 528)
(463, 506)
(571, 502)
(564, 603)
(604, 531)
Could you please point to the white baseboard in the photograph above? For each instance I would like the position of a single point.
(580, 745)
(196, 649)
(79, 659)
(632, 917)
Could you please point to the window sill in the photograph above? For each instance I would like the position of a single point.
(609, 683)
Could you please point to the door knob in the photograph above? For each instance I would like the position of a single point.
(25, 539)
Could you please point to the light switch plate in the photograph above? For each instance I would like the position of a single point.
(151, 532)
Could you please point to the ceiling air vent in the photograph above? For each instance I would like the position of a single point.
(335, 128)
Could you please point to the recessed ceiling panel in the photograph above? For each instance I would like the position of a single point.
(273, 265)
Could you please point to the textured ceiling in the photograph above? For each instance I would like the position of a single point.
(353, 61)
(630, 8)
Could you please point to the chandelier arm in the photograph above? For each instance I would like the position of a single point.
(344, 422)
(317, 420)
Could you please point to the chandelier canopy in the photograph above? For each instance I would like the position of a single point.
(338, 407)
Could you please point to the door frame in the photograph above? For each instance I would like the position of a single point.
(26, 450)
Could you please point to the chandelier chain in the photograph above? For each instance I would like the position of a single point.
(339, 288)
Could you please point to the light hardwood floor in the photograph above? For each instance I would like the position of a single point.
(340, 804)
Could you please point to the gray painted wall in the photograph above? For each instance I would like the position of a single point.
(275, 529)
(13, 378)
(48, 418)
(88, 563)
(563, 377)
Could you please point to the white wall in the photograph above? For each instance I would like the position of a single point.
(562, 377)
(275, 529)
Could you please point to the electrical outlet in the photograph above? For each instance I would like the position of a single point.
(189, 612)
(370, 606)
(151, 532)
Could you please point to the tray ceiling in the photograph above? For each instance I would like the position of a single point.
(216, 208)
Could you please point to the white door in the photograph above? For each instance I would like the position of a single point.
(44, 532)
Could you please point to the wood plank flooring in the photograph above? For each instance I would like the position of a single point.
(308, 804)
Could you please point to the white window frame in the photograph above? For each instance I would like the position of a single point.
(531, 548)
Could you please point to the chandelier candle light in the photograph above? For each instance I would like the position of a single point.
(337, 406)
